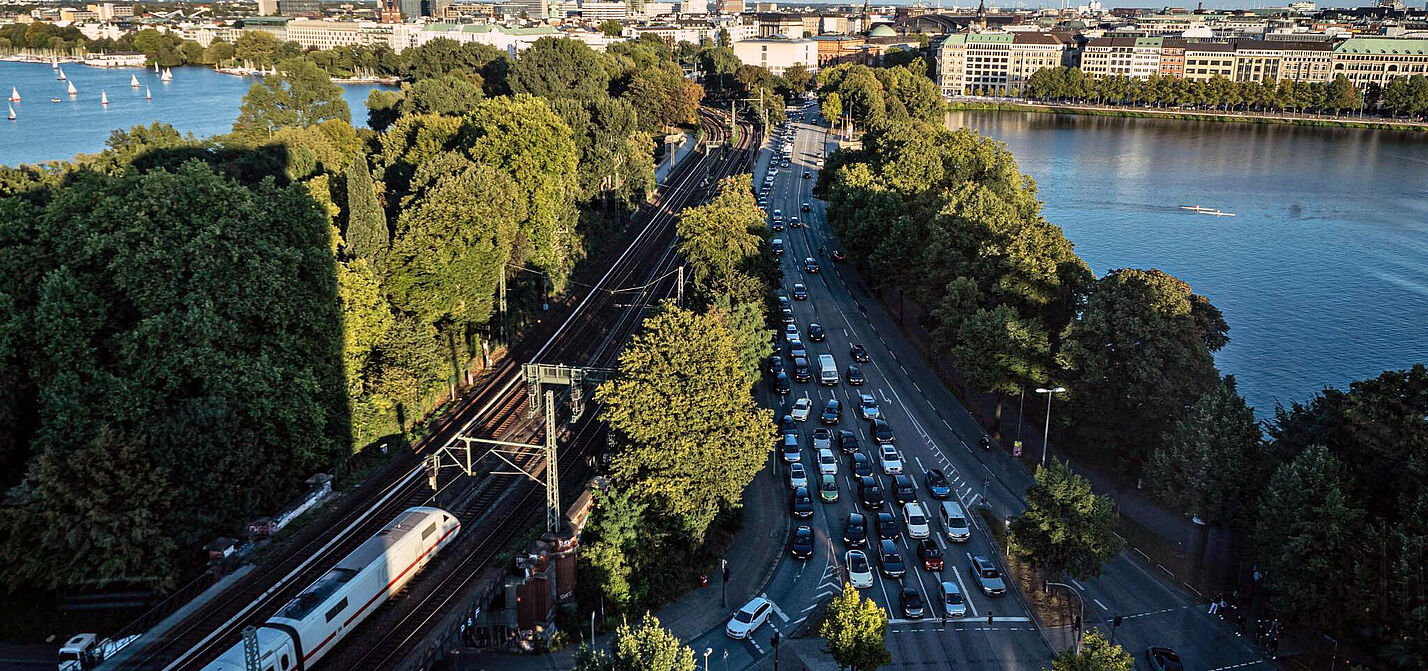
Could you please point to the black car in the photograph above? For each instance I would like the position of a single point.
(801, 547)
(847, 441)
(882, 433)
(815, 333)
(903, 489)
(870, 492)
(781, 384)
(855, 376)
(801, 370)
(890, 560)
(805, 207)
(788, 316)
(775, 364)
(862, 465)
(937, 484)
(778, 345)
(832, 412)
(810, 265)
(786, 424)
(855, 531)
(930, 554)
(887, 526)
(797, 351)
(859, 353)
(800, 503)
(911, 602)
(777, 227)
(1163, 659)
(800, 292)
(807, 174)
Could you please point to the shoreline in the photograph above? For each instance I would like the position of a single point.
(1183, 115)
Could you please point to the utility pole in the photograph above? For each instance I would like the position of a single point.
(503, 306)
(552, 462)
(679, 287)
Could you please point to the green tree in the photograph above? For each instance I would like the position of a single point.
(856, 631)
(798, 77)
(1000, 352)
(452, 95)
(1341, 94)
(258, 47)
(614, 535)
(687, 436)
(559, 68)
(367, 234)
(1066, 527)
(718, 237)
(645, 646)
(1141, 352)
(299, 95)
(1309, 533)
(1097, 654)
(831, 106)
(1215, 461)
(611, 28)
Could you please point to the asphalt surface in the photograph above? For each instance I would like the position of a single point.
(932, 431)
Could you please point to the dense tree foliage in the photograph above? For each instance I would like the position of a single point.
(855, 629)
(874, 95)
(1063, 83)
(1066, 527)
(1215, 459)
(300, 95)
(645, 646)
(1097, 654)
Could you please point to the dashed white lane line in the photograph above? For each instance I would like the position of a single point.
(1077, 584)
(1240, 665)
(1098, 603)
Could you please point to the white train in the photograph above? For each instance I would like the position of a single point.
(309, 626)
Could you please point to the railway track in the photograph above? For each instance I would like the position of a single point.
(493, 409)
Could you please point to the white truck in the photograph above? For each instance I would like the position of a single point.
(827, 370)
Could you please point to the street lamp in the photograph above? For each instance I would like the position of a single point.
(1046, 434)
(707, 652)
(1079, 618)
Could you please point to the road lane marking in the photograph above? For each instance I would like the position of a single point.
(1077, 584)
(1098, 603)
(966, 596)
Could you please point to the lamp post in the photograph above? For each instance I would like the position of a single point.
(707, 652)
(1079, 618)
(1046, 433)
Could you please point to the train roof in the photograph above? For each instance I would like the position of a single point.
(368, 552)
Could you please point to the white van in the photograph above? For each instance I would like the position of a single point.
(954, 521)
(827, 370)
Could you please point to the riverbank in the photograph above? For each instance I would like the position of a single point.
(1187, 115)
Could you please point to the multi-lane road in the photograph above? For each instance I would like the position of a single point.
(932, 431)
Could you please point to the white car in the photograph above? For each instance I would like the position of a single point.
(827, 463)
(892, 461)
(860, 573)
(916, 520)
(868, 407)
(802, 408)
(790, 333)
(797, 477)
(749, 618)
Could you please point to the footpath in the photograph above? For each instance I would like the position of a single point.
(754, 552)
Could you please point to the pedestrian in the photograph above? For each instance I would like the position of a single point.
(1223, 605)
(1261, 627)
(1214, 604)
(1274, 647)
(1240, 622)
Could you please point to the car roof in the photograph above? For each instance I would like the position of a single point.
(950, 587)
(859, 516)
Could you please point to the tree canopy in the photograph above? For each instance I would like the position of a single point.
(1066, 527)
(855, 629)
(300, 95)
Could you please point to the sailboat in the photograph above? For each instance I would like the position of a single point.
(73, 91)
(14, 95)
(104, 98)
(168, 75)
(156, 68)
(61, 76)
(12, 112)
(54, 62)
(133, 81)
(147, 94)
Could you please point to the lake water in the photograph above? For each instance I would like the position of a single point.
(198, 100)
(1323, 273)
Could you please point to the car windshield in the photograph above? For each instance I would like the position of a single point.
(826, 458)
(955, 597)
(988, 572)
(858, 564)
(957, 522)
(744, 616)
(916, 519)
(892, 557)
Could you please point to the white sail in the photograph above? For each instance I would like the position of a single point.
(12, 112)
(72, 90)
(54, 62)
(156, 68)
(148, 95)
(61, 76)
(133, 81)
(103, 98)
(167, 76)
(14, 94)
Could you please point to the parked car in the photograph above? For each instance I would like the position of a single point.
(903, 489)
(859, 353)
(800, 504)
(891, 460)
(801, 545)
(890, 560)
(807, 174)
(749, 618)
(847, 441)
(911, 602)
(828, 488)
(855, 376)
(930, 554)
(802, 408)
(870, 493)
(868, 407)
(937, 483)
(916, 520)
(988, 578)
(860, 575)
(855, 531)
(887, 526)
(953, 603)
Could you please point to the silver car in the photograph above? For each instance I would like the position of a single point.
(987, 576)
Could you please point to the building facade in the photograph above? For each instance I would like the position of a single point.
(777, 55)
(1366, 60)
(1134, 57)
(996, 64)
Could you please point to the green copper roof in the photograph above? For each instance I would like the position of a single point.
(1382, 46)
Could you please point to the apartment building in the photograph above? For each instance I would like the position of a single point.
(328, 34)
(1207, 60)
(1135, 57)
(1172, 58)
(781, 25)
(777, 54)
(996, 63)
(510, 40)
(1367, 60)
(1306, 61)
(1168, 25)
